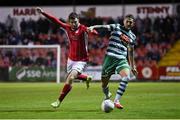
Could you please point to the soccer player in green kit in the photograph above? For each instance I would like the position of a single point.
(119, 56)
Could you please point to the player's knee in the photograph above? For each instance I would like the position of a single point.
(104, 78)
(124, 72)
(73, 74)
(72, 77)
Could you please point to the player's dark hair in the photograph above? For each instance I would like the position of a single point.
(73, 15)
(130, 16)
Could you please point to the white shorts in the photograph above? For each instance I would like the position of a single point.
(75, 65)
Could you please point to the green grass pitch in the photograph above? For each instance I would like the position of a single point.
(141, 101)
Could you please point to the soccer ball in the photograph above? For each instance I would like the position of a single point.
(107, 106)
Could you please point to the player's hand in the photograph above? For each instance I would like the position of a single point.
(125, 38)
(134, 71)
(90, 29)
(39, 10)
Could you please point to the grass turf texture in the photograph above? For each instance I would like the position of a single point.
(141, 100)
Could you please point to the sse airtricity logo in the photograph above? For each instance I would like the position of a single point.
(21, 73)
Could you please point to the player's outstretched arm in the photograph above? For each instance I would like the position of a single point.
(91, 28)
(50, 17)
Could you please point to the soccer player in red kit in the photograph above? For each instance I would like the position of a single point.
(78, 54)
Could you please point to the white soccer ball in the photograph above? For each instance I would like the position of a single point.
(107, 106)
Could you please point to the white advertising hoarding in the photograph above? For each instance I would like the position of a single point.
(100, 11)
(30, 12)
(95, 72)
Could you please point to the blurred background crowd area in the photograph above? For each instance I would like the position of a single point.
(28, 57)
(155, 36)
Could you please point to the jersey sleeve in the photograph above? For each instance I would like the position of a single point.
(133, 42)
(111, 27)
(54, 20)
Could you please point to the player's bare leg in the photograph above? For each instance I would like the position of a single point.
(66, 89)
(125, 74)
(105, 87)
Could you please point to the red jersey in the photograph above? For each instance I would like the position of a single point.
(78, 40)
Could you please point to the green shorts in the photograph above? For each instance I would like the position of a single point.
(112, 65)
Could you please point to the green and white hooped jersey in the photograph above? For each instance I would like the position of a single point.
(117, 48)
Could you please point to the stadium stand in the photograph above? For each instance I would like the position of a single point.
(154, 39)
(172, 58)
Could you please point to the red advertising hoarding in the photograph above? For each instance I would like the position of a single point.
(169, 73)
(148, 73)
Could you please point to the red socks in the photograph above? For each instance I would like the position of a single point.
(82, 77)
(65, 91)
